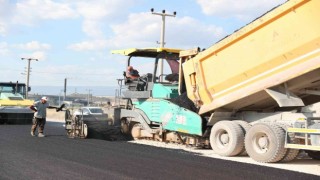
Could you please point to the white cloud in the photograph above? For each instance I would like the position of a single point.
(92, 28)
(33, 45)
(6, 10)
(3, 28)
(143, 30)
(188, 32)
(96, 14)
(36, 49)
(97, 10)
(241, 9)
(139, 30)
(88, 45)
(29, 12)
(4, 50)
(39, 55)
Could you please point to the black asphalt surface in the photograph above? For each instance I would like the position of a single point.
(58, 157)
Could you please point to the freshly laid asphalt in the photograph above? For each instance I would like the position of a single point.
(58, 157)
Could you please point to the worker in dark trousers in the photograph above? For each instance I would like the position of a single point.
(39, 119)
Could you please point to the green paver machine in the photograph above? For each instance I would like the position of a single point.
(149, 111)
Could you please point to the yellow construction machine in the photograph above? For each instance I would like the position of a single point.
(14, 108)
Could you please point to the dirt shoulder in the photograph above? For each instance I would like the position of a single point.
(55, 116)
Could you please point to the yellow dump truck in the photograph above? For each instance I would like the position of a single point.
(14, 108)
(264, 78)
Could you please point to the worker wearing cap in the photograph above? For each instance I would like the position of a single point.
(40, 109)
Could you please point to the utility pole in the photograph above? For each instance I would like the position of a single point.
(89, 90)
(65, 89)
(59, 97)
(163, 15)
(28, 73)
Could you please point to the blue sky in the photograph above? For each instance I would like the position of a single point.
(73, 38)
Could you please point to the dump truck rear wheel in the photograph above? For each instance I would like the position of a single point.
(291, 154)
(227, 138)
(245, 126)
(265, 143)
(313, 154)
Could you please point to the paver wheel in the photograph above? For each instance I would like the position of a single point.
(265, 143)
(125, 127)
(85, 130)
(313, 154)
(67, 115)
(69, 134)
(136, 131)
(227, 138)
(245, 126)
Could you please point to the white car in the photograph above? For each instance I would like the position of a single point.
(90, 113)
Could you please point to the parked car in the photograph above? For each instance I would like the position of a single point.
(90, 114)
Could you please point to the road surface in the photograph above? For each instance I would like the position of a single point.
(58, 157)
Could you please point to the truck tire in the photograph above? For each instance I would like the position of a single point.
(227, 138)
(265, 143)
(291, 154)
(313, 154)
(245, 126)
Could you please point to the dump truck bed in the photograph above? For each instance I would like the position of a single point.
(280, 50)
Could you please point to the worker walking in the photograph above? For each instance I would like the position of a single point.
(39, 119)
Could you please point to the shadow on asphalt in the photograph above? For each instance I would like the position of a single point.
(96, 130)
(50, 135)
(102, 130)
